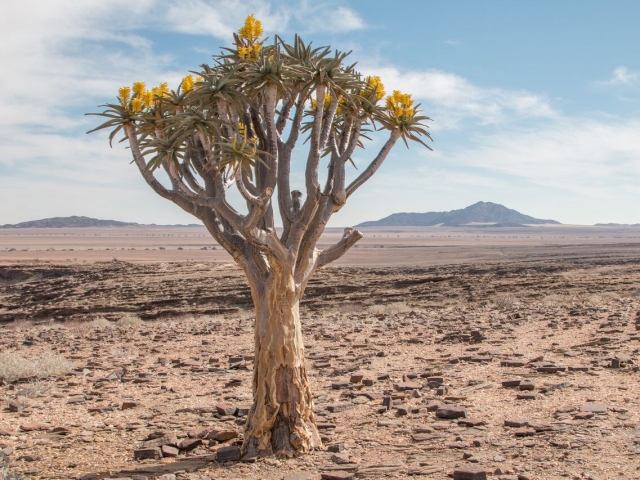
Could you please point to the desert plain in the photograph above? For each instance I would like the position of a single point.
(465, 353)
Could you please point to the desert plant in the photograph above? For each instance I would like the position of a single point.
(390, 308)
(43, 365)
(237, 123)
(129, 320)
(504, 301)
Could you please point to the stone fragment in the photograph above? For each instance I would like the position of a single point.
(511, 383)
(470, 473)
(169, 451)
(584, 415)
(512, 363)
(451, 412)
(526, 385)
(337, 475)
(339, 407)
(128, 405)
(189, 444)
(29, 427)
(224, 409)
(340, 385)
(341, 458)
(524, 432)
(402, 386)
(526, 396)
(221, 435)
(356, 377)
(516, 422)
(594, 408)
(336, 448)
(146, 453)
(300, 476)
(228, 454)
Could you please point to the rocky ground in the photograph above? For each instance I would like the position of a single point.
(522, 370)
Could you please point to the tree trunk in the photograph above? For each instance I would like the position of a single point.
(281, 420)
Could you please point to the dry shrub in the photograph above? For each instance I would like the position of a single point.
(555, 299)
(100, 322)
(504, 301)
(390, 308)
(20, 324)
(130, 320)
(34, 388)
(43, 365)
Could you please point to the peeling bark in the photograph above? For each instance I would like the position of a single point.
(281, 420)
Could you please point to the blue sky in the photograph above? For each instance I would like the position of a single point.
(536, 104)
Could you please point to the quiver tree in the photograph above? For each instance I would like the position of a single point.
(237, 124)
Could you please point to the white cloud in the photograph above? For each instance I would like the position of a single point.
(326, 17)
(622, 76)
(450, 98)
(585, 157)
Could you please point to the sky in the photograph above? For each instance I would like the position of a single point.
(535, 104)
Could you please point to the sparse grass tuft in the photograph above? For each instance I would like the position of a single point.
(44, 365)
(390, 308)
(130, 320)
(504, 301)
(555, 299)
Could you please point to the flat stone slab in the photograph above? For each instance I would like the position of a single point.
(451, 412)
(594, 408)
(470, 473)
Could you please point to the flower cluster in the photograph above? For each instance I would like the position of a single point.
(248, 46)
(327, 102)
(142, 98)
(252, 29)
(399, 105)
(249, 52)
(375, 87)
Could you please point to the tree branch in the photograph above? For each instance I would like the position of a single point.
(349, 238)
(375, 164)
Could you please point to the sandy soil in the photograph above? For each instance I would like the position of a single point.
(533, 344)
(389, 246)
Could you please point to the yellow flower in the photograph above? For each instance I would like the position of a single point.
(125, 94)
(375, 86)
(241, 128)
(199, 80)
(243, 52)
(138, 88)
(136, 105)
(256, 49)
(252, 29)
(147, 98)
(399, 104)
(327, 102)
(187, 83)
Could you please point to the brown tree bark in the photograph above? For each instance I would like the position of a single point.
(281, 420)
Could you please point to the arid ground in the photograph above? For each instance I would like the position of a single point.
(433, 353)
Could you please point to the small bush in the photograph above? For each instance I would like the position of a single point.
(504, 301)
(390, 308)
(44, 365)
(130, 320)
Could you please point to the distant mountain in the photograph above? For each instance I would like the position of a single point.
(478, 213)
(617, 225)
(74, 221)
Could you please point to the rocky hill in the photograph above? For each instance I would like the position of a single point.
(483, 213)
(75, 221)
(66, 222)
